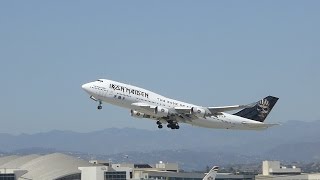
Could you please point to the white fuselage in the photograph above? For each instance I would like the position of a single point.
(125, 96)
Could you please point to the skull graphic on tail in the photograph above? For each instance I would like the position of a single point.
(263, 108)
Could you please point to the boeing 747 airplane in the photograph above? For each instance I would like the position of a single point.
(146, 104)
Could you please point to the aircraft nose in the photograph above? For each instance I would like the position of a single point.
(86, 87)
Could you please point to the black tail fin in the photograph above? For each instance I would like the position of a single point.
(260, 111)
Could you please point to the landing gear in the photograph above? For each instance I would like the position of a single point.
(159, 124)
(173, 125)
(100, 105)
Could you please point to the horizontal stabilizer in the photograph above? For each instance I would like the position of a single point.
(270, 125)
(214, 110)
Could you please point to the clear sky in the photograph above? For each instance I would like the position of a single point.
(208, 53)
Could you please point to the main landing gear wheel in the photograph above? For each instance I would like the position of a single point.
(173, 126)
(100, 105)
(159, 124)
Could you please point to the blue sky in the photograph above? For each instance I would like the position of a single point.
(209, 53)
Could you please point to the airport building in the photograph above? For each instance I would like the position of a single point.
(47, 167)
(272, 170)
(161, 171)
(63, 167)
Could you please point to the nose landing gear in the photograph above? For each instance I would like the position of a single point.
(100, 105)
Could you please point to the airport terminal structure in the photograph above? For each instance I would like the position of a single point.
(59, 166)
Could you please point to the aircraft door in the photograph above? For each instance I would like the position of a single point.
(110, 93)
(105, 93)
(100, 92)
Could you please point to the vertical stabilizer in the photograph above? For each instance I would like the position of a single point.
(211, 174)
(260, 111)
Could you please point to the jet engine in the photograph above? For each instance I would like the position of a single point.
(136, 114)
(199, 112)
(161, 111)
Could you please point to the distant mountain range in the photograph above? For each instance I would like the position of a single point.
(292, 141)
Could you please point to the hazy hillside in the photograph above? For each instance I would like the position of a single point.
(298, 152)
(187, 159)
(293, 140)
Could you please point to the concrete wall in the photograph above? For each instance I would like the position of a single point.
(95, 172)
(290, 177)
(268, 165)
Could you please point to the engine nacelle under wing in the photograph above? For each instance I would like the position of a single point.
(161, 111)
(199, 112)
(137, 114)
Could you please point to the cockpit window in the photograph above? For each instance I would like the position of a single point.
(99, 80)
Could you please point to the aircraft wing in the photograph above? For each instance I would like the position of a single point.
(261, 126)
(144, 106)
(182, 110)
(214, 110)
(178, 114)
(264, 125)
